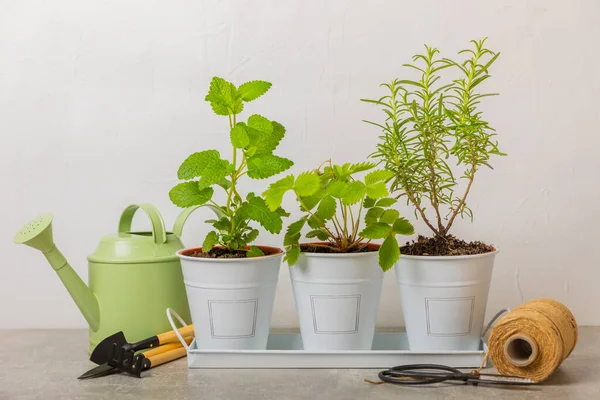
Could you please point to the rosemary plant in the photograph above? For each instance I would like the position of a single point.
(429, 123)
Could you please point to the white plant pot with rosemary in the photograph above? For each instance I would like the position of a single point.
(337, 281)
(231, 283)
(444, 282)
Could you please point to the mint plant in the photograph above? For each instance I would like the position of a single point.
(427, 124)
(336, 204)
(253, 144)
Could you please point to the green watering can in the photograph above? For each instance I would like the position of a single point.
(134, 276)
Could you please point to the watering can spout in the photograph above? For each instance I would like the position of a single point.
(38, 234)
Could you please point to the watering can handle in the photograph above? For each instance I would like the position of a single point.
(158, 225)
(183, 216)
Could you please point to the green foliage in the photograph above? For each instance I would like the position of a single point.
(429, 123)
(253, 143)
(336, 204)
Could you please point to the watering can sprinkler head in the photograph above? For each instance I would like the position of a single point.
(37, 233)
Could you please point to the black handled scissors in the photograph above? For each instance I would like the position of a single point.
(421, 374)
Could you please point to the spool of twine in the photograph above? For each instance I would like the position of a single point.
(532, 340)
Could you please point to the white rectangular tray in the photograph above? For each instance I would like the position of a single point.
(284, 350)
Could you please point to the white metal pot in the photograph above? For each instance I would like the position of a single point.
(337, 297)
(444, 299)
(231, 299)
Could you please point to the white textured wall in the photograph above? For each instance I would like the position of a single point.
(101, 101)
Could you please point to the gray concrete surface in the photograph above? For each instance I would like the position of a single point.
(44, 364)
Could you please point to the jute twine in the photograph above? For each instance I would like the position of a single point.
(533, 340)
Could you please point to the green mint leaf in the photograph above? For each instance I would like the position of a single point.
(239, 137)
(210, 241)
(337, 188)
(321, 234)
(266, 165)
(372, 216)
(326, 209)
(292, 254)
(223, 97)
(254, 252)
(274, 193)
(188, 194)
(224, 183)
(389, 216)
(377, 190)
(256, 209)
(386, 202)
(307, 184)
(251, 151)
(223, 224)
(379, 175)
(292, 235)
(368, 203)
(207, 165)
(260, 123)
(355, 191)
(252, 90)
(403, 227)
(378, 230)
(389, 253)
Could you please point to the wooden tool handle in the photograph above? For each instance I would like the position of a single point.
(172, 337)
(167, 347)
(167, 356)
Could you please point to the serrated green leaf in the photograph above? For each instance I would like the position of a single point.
(256, 209)
(321, 234)
(386, 202)
(337, 189)
(389, 253)
(326, 209)
(250, 151)
(254, 252)
(239, 137)
(210, 241)
(389, 216)
(188, 194)
(377, 190)
(223, 97)
(207, 165)
(372, 216)
(363, 166)
(403, 227)
(274, 193)
(379, 175)
(223, 224)
(224, 183)
(369, 202)
(251, 236)
(260, 123)
(292, 234)
(263, 166)
(378, 230)
(354, 192)
(252, 90)
(292, 254)
(313, 223)
(265, 141)
(307, 184)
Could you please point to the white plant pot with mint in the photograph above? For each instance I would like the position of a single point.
(444, 299)
(434, 140)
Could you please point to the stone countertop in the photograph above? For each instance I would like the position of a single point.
(45, 364)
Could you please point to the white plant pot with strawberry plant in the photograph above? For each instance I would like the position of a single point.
(230, 283)
(444, 282)
(337, 279)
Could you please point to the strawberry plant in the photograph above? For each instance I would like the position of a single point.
(345, 212)
(253, 143)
